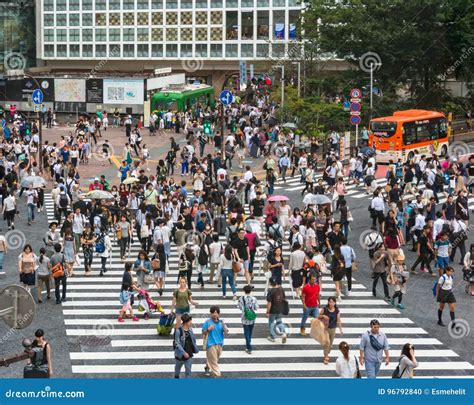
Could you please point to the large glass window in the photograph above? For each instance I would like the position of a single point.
(157, 5)
(232, 25)
(87, 19)
(49, 51)
(157, 50)
(202, 3)
(48, 20)
(216, 3)
(129, 34)
(48, 5)
(171, 50)
(263, 3)
(75, 35)
(87, 5)
(48, 35)
(128, 4)
(186, 3)
(74, 51)
(201, 50)
(279, 24)
(263, 25)
(114, 34)
(61, 20)
(294, 16)
(87, 34)
(232, 3)
(100, 4)
(143, 5)
(61, 35)
(143, 51)
(87, 50)
(61, 5)
(247, 25)
(114, 50)
(231, 51)
(216, 50)
(279, 3)
(74, 20)
(157, 34)
(293, 3)
(114, 4)
(101, 51)
(262, 50)
(171, 34)
(246, 51)
(186, 50)
(129, 51)
(142, 34)
(247, 3)
(100, 34)
(74, 5)
(61, 50)
(172, 4)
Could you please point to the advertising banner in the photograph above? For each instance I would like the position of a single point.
(70, 90)
(123, 91)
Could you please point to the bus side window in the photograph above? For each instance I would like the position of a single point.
(433, 129)
(442, 129)
(422, 133)
(409, 134)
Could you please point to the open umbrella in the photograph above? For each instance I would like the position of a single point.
(316, 199)
(278, 198)
(289, 125)
(35, 181)
(99, 195)
(130, 180)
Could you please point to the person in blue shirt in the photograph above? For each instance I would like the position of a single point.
(373, 345)
(213, 330)
(123, 170)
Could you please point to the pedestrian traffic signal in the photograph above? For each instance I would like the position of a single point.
(207, 128)
(268, 81)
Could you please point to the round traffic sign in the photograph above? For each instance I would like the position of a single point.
(354, 119)
(226, 97)
(356, 93)
(355, 107)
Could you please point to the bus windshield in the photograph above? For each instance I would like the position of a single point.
(384, 129)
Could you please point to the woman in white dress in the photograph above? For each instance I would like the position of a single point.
(284, 211)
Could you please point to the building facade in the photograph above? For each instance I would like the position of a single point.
(155, 33)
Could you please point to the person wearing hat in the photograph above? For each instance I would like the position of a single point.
(399, 276)
(185, 346)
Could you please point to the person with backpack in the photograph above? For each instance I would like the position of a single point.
(103, 246)
(249, 306)
(59, 273)
(406, 363)
(41, 360)
(373, 345)
(277, 231)
(444, 295)
(214, 330)
(277, 306)
(62, 203)
(347, 366)
(185, 347)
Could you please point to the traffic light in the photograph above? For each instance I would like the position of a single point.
(207, 128)
(268, 81)
(233, 126)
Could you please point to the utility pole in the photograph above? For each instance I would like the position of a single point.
(299, 77)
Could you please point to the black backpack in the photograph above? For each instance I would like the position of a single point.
(63, 201)
(203, 256)
(181, 334)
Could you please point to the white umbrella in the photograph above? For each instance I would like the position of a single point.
(316, 199)
(35, 181)
(99, 195)
(130, 180)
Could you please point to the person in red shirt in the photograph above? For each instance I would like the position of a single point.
(310, 298)
(96, 185)
(270, 211)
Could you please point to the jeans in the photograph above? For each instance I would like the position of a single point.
(345, 229)
(275, 321)
(228, 275)
(187, 367)
(31, 212)
(104, 262)
(57, 281)
(248, 330)
(349, 278)
(383, 276)
(372, 368)
(271, 189)
(123, 246)
(313, 311)
(2, 258)
(184, 167)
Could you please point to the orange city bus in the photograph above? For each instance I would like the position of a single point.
(398, 136)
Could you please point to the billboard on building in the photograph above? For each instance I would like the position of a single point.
(94, 91)
(123, 91)
(70, 90)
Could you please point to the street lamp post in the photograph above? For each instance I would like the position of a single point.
(40, 124)
(282, 67)
(372, 67)
(299, 77)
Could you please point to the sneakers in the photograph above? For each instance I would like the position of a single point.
(120, 319)
(248, 351)
(401, 306)
(302, 331)
(234, 297)
(271, 339)
(392, 302)
(147, 317)
(207, 372)
(135, 319)
(440, 323)
(424, 270)
(283, 338)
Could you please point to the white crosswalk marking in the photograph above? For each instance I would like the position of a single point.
(102, 347)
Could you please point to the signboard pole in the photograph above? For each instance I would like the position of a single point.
(357, 135)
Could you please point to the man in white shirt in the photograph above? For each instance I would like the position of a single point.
(216, 249)
(31, 200)
(78, 224)
(378, 209)
(438, 225)
(9, 210)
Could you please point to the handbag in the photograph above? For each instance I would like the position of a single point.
(236, 266)
(318, 332)
(375, 343)
(57, 270)
(149, 279)
(248, 313)
(77, 260)
(354, 267)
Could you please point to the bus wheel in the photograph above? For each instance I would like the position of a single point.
(444, 150)
(411, 155)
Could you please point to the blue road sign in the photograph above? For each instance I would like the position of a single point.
(37, 96)
(355, 107)
(226, 97)
(346, 105)
(355, 119)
